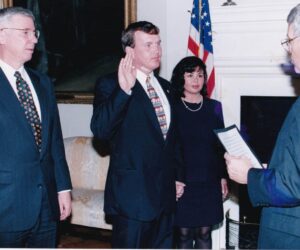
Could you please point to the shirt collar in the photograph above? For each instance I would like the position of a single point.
(141, 76)
(9, 70)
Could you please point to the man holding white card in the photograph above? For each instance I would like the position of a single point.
(277, 188)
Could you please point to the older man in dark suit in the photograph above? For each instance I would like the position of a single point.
(277, 188)
(133, 112)
(34, 178)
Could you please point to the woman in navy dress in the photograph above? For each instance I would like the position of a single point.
(201, 205)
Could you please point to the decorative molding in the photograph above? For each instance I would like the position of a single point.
(250, 61)
(248, 38)
(249, 12)
(254, 3)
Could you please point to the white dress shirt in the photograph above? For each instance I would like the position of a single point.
(9, 73)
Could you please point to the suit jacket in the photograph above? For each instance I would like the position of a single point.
(24, 171)
(143, 166)
(278, 187)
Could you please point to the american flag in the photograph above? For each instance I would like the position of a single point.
(200, 39)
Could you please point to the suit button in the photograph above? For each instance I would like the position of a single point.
(39, 186)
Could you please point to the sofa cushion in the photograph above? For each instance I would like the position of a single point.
(87, 208)
(87, 168)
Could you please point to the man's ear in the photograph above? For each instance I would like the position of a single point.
(128, 49)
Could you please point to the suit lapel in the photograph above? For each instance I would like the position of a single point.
(11, 104)
(144, 100)
(43, 100)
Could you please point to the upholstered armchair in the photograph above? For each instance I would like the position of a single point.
(88, 173)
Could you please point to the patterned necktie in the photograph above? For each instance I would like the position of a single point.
(27, 103)
(159, 110)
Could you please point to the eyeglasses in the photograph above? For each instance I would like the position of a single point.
(286, 43)
(26, 32)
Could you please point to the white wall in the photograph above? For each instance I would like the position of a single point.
(75, 119)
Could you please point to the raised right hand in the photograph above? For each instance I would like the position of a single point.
(127, 72)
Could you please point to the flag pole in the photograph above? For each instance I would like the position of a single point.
(200, 25)
(191, 12)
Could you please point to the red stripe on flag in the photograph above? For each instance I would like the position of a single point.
(205, 55)
(203, 28)
(193, 46)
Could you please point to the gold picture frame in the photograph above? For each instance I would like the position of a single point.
(6, 3)
(130, 9)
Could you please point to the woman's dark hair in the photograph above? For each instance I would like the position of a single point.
(189, 65)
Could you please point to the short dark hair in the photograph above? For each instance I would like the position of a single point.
(7, 13)
(187, 64)
(128, 34)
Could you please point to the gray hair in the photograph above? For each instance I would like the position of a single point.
(7, 13)
(294, 19)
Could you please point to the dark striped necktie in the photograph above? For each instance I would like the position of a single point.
(158, 107)
(27, 103)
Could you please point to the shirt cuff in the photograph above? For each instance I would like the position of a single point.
(64, 191)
